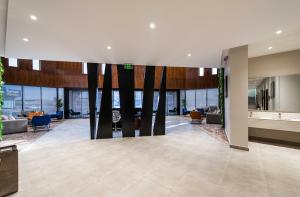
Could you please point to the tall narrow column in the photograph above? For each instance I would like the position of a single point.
(160, 118)
(105, 116)
(66, 102)
(126, 91)
(147, 109)
(92, 69)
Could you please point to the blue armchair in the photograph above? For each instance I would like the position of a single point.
(58, 115)
(41, 121)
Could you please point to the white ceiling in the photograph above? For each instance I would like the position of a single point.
(287, 41)
(80, 30)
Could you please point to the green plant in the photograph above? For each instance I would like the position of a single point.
(59, 104)
(1, 96)
(221, 95)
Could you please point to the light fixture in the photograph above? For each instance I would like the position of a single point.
(25, 39)
(189, 55)
(278, 32)
(214, 71)
(152, 25)
(108, 47)
(201, 72)
(33, 17)
(270, 47)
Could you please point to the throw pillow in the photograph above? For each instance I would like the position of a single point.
(4, 117)
(11, 118)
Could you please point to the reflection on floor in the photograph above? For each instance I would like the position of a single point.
(185, 162)
(23, 139)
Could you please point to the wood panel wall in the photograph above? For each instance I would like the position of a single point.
(69, 75)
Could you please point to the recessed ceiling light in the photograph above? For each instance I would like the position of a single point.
(278, 32)
(152, 25)
(189, 55)
(108, 47)
(25, 39)
(33, 17)
(270, 47)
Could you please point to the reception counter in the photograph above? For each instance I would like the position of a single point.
(274, 126)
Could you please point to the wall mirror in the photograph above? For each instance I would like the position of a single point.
(278, 93)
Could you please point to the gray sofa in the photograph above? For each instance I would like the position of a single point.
(213, 118)
(15, 126)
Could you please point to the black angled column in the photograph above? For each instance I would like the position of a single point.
(147, 109)
(92, 69)
(105, 116)
(126, 91)
(160, 118)
(66, 103)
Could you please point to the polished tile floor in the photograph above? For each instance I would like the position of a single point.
(185, 162)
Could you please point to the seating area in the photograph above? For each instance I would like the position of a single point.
(14, 125)
(37, 120)
(74, 114)
(196, 117)
(211, 114)
(58, 115)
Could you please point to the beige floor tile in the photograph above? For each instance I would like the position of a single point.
(186, 162)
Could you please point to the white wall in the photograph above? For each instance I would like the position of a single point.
(236, 104)
(287, 63)
(3, 16)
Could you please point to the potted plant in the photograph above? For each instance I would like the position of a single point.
(59, 114)
(59, 104)
(1, 96)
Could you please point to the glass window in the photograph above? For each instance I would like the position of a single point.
(201, 72)
(103, 68)
(252, 96)
(84, 68)
(201, 98)
(12, 100)
(85, 102)
(13, 62)
(116, 99)
(75, 100)
(190, 100)
(32, 98)
(213, 97)
(155, 100)
(49, 100)
(98, 101)
(36, 65)
(138, 99)
(61, 97)
(214, 71)
(171, 107)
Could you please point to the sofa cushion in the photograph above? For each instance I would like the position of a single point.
(15, 126)
(11, 117)
(4, 117)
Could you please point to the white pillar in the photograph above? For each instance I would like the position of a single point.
(236, 103)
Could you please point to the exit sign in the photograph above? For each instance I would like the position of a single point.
(128, 66)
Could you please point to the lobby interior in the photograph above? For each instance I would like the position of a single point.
(149, 98)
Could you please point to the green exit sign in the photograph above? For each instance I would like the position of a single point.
(128, 66)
